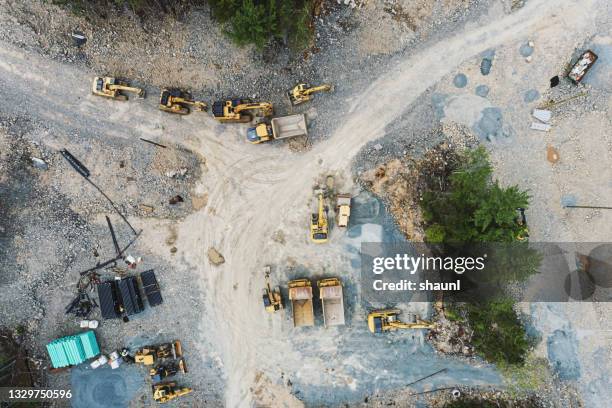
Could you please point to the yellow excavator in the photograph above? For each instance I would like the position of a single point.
(273, 302)
(150, 354)
(164, 392)
(380, 321)
(318, 223)
(240, 110)
(180, 102)
(113, 88)
(303, 92)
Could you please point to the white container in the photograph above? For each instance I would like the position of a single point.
(89, 324)
(99, 361)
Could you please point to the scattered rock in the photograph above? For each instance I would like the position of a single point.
(552, 155)
(215, 256)
(176, 199)
(39, 163)
(460, 80)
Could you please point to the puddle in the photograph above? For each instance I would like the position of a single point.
(482, 91)
(562, 354)
(105, 387)
(460, 80)
(531, 95)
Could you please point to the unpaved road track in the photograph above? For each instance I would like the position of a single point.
(252, 189)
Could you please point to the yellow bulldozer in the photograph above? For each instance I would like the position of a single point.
(179, 101)
(303, 92)
(272, 299)
(240, 110)
(164, 392)
(150, 354)
(380, 321)
(113, 88)
(319, 228)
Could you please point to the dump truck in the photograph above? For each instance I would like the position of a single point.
(330, 292)
(284, 127)
(300, 294)
(343, 209)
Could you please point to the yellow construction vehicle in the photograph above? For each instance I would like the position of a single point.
(273, 302)
(164, 392)
(303, 92)
(113, 88)
(178, 101)
(150, 354)
(318, 223)
(380, 321)
(240, 110)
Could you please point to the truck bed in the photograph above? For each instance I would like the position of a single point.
(301, 305)
(289, 126)
(333, 305)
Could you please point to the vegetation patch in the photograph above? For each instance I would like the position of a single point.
(247, 21)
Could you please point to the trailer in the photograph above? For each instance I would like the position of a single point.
(151, 288)
(582, 66)
(330, 292)
(284, 127)
(300, 294)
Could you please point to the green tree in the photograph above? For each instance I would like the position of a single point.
(476, 209)
(253, 23)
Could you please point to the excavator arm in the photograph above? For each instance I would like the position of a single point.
(125, 88)
(265, 107)
(320, 88)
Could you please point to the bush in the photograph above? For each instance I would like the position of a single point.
(258, 21)
(499, 336)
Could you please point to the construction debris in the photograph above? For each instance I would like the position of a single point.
(552, 155)
(544, 127)
(176, 199)
(39, 163)
(542, 115)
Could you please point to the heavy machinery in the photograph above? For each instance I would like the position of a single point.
(279, 128)
(239, 110)
(330, 292)
(582, 66)
(164, 392)
(300, 294)
(343, 209)
(272, 300)
(179, 101)
(303, 92)
(113, 88)
(319, 228)
(149, 355)
(380, 321)
(521, 221)
(167, 370)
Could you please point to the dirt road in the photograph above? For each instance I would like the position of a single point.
(254, 191)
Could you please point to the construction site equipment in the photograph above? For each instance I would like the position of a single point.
(521, 221)
(150, 354)
(179, 101)
(73, 350)
(279, 128)
(318, 222)
(300, 294)
(343, 209)
(303, 92)
(113, 88)
(582, 66)
(239, 110)
(151, 288)
(330, 292)
(272, 300)
(164, 392)
(120, 298)
(167, 370)
(380, 321)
